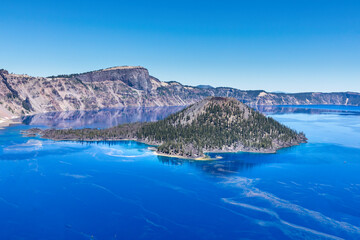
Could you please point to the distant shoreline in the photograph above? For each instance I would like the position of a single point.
(8, 121)
(139, 88)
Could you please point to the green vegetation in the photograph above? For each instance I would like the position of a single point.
(124, 131)
(222, 122)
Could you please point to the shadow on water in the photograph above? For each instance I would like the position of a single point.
(229, 164)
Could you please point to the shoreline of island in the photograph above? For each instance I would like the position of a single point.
(153, 147)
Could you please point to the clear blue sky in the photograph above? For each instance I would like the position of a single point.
(290, 45)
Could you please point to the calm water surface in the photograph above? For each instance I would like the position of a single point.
(120, 190)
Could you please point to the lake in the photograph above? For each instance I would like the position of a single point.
(121, 190)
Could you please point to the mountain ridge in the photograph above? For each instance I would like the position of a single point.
(131, 86)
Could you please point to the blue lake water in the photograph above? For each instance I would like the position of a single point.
(120, 190)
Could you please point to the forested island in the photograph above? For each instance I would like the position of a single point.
(215, 124)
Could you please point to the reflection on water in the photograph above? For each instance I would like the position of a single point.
(112, 117)
(100, 118)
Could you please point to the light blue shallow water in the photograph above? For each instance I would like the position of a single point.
(120, 190)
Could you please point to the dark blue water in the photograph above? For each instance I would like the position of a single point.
(120, 190)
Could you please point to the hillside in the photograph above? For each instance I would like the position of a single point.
(218, 124)
(130, 86)
(214, 124)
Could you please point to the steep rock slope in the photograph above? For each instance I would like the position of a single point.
(130, 86)
(108, 88)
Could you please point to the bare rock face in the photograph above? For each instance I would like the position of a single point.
(130, 86)
(135, 77)
(107, 88)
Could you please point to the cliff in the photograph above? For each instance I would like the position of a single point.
(130, 86)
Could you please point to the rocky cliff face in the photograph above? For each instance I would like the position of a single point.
(135, 77)
(129, 86)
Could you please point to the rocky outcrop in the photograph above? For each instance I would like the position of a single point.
(130, 86)
(134, 77)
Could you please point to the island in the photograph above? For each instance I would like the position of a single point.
(214, 124)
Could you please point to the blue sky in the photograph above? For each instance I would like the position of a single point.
(290, 46)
